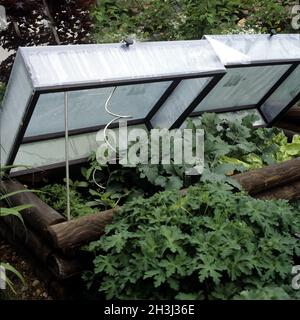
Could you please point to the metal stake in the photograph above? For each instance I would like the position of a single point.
(67, 155)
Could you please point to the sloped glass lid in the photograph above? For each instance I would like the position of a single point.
(262, 74)
(136, 79)
(256, 48)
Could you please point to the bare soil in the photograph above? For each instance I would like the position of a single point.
(33, 289)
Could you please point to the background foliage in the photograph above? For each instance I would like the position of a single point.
(44, 22)
(187, 19)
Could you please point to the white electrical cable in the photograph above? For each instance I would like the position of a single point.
(118, 116)
(106, 106)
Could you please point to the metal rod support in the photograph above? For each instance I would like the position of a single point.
(67, 154)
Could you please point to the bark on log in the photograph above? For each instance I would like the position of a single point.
(23, 237)
(286, 192)
(40, 216)
(63, 268)
(37, 266)
(26, 237)
(284, 124)
(259, 180)
(77, 232)
(293, 114)
(58, 289)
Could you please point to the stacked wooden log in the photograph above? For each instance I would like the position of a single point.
(291, 121)
(31, 237)
(56, 242)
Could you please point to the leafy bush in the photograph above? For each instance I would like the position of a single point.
(162, 20)
(230, 147)
(264, 15)
(2, 91)
(150, 19)
(211, 243)
(55, 195)
(187, 19)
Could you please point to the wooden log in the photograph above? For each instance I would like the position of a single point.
(284, 124)
(259, 180)
(27, 237)
(77, 232)
(72, 234)
(293, 114)
(286, 192)
(63, 268)
(37, 266)
(23, 237)
(58, 289)
(40, 216)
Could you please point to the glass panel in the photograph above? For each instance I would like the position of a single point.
(242, 87)
(87, 107)
(47, 152)
(18, 93)
(282, 96)
(184, 94)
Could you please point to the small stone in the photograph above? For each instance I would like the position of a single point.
(38, 292)
(24, 288)
(45, 295)
(35, 283)
(242, 23)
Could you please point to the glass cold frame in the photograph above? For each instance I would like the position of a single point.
(144, 74)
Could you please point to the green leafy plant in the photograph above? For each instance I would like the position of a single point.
(230, 147)
(211, 243)
(11, 211)
(55, 196)
(2, 91)
(187, 19)
(114, 20)
(265, 15)
(11, 269)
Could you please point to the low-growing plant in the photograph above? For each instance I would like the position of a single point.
(211, 243)
(229, 147)
(2, 91)
(11, 211)
(187, 19)
(55, 196)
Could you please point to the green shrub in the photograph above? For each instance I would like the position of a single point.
(55, 195)
(211, 243)
(2, 91)
(264, 15)
(186, 19)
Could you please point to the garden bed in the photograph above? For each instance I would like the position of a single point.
(57, 243)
